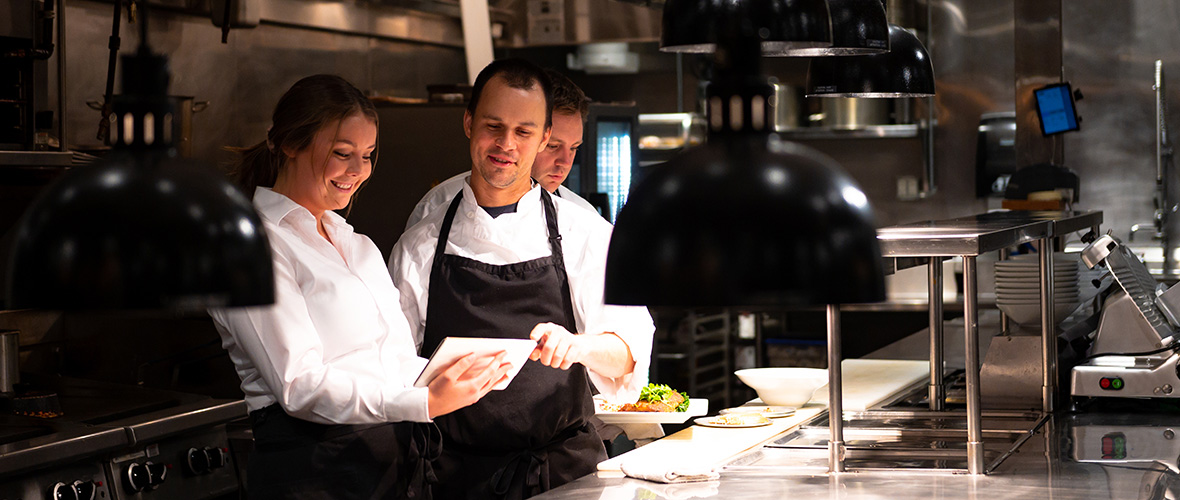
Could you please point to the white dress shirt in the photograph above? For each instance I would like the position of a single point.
(442, 194)
(518, 237)
(334, 348)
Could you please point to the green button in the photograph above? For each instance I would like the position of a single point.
(1116, 384)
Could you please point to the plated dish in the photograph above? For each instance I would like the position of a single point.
(766, 411)
(696, 408)
(734, 420)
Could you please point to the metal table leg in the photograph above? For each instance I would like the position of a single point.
(835, 392)
(937, 386)
(1048, 330)
(975, 463)
(1005, 325)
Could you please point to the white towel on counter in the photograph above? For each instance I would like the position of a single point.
(665, 473)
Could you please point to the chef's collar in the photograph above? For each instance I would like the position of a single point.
(274, 207)
(531, 200)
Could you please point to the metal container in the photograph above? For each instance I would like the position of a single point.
(9, 362)
(786, 107)
(182, 121)
(854, 112)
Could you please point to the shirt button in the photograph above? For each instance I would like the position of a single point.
(470, 214)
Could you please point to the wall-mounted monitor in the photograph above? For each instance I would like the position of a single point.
(1055, 108)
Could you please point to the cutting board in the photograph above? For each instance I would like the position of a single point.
(866, 382)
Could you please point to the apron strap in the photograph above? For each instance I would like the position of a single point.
(554, 233)
(424, 448)
(445, 231)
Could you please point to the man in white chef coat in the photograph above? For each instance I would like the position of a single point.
(507, 259)
(552, 165)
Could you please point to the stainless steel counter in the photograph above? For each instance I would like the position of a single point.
(1062, 461)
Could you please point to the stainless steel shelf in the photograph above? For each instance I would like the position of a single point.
(869, 132)
(36, 158)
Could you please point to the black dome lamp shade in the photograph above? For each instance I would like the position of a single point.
(904, 71)
(143, 229)
(745, 219)
(782, 25)
(858, 27)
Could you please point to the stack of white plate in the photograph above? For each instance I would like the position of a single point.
(1018, 287)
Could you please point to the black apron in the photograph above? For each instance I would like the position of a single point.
(535, 435)
(297, 459)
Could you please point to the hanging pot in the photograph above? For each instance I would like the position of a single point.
(182, 121)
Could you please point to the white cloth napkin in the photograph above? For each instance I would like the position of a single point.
(663, 473)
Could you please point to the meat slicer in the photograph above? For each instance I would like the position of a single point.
(1134, 352)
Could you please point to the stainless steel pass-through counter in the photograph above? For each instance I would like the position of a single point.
(1071, 457)
(969, 237)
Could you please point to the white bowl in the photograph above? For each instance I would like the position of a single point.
(790, 387)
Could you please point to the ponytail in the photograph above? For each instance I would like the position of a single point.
(256, 166)
(308, 105)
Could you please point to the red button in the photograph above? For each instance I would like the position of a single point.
(1104, 383)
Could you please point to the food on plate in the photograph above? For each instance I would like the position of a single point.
(767, 411)
(658, 397)
(742, 419)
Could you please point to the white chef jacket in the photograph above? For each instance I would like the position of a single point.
(442, 194)
(518, 237)
(334, 348)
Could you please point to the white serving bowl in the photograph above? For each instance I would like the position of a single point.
(790, 387)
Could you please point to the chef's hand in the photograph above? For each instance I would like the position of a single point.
(604, 353)
(465, 381)
(556, 346)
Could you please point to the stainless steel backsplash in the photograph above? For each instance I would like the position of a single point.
(1108, 49)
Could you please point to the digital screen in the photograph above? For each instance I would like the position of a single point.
(1056, 109)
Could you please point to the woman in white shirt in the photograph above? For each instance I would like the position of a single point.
(328, 370)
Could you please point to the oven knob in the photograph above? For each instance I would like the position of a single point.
(157, 473)
(85, 489)
(63, 491)
(200, 461)
(197, 461)
(136, 477)
(217, 457)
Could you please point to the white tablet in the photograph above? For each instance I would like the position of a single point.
(452, 348)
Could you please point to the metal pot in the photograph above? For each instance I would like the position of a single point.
(854, 112)
(182, 121)
(786, 107)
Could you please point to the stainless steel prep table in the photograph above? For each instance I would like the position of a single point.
(969, 237)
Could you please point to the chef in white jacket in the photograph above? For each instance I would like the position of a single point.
(552, 165)
(328, 369)
(507, 259)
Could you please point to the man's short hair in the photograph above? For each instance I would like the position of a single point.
(518, 74)
(567, 97)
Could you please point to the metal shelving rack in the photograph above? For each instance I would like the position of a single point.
(704, 350)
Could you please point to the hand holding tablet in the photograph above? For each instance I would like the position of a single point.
(452, 348)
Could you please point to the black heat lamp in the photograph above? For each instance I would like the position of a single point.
(144, 228)
(692, 26)
(746, 219)
(858, 27)
(904, 71)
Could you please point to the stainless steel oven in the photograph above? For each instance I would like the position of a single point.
(96, 440)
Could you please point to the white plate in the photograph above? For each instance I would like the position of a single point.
(765, 411)
(696, 408)
(711, 422)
